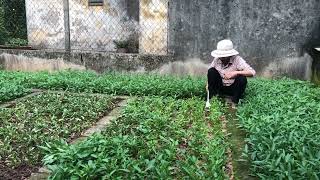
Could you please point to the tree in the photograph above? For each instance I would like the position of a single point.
(3, 32)
(15, 18)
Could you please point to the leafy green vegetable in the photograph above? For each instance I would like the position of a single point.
(155, 137)
(44, 118)
(11, 90)
(110, 83)
(282, 118)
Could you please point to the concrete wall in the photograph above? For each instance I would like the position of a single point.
(154, 23)
(96, 27)
(274, 36)
(45, 23)
(35, 60)
(93, 27)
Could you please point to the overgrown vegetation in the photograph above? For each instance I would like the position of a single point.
(3, 30)
(13, 25)
(155, 137)
(44, 118)
(282, 118)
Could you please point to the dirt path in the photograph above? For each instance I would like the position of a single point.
(236, 139)
(229, 164)
(228, 168)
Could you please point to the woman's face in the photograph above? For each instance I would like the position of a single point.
(225, 59)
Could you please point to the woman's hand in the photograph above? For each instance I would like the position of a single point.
(230, 75)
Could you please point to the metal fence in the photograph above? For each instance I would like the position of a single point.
(128, 26)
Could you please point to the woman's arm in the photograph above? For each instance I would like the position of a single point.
(233, 74)
(247, 73)
(244, 68)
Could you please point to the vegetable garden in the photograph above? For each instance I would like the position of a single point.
(162, 132)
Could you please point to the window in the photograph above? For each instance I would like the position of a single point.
(95, 2)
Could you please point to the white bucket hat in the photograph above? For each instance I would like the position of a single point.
(224, 49)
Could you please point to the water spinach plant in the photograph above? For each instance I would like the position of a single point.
(44, 118)
(154, 138)
(11, 87)
(110, 83)
(282, 118)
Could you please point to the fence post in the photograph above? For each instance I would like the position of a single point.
(67, 28)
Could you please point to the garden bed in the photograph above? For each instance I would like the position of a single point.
(110, 83)
(11, 90)
(155, 137)
(279, 121)
(282, 120)
(37, 120)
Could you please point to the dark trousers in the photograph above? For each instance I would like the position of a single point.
(236, 90)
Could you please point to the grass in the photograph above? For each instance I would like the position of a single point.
(155, 137)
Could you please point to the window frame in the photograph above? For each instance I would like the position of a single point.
(95, 2)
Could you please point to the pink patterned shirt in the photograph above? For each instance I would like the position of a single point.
(236, 64)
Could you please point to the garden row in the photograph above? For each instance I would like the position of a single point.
(282, 119)
(109, 83)
(37, 120)
(155, 138)
(11, 90)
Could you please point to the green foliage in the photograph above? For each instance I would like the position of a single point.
(111, 83)
(282, 118)
(155, 138)
(13, 25)
(15, 18)
(44, 118)
(10, 87)
(10, 91)
(3, 31)
(16, 42)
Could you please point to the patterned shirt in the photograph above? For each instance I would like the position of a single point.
(236, 64)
